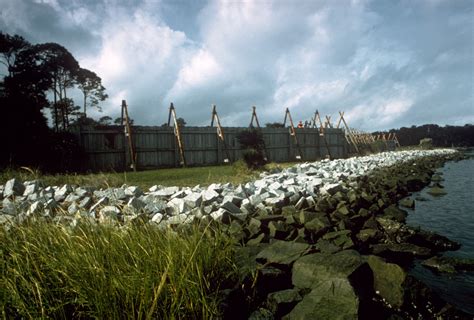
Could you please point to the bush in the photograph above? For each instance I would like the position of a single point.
(253, 144)
(253, 158)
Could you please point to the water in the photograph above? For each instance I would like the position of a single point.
(451, 215)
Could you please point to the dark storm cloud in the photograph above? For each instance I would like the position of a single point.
(386, 63)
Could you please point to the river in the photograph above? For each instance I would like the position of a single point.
(451, 215)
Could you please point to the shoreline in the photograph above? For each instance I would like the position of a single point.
(289, 222)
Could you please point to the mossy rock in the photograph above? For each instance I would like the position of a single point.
(331, 299)
(312, 270)
(389, 280)
(282, 252)
(437, 191)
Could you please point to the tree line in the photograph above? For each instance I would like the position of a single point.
(37, 78)
(447, 136)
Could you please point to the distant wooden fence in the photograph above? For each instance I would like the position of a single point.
(106, 146)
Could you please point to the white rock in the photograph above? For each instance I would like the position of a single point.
(177, 219)
(36, 208)
(133, 191)
(13, 187)
(157, 217)
(109, 212)
(177, 206)
(102, 202)
(209, 196)
(193, 200)
(166, 192)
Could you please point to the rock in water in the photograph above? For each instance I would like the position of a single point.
(388, 280)
(437, 191)
(407, 203)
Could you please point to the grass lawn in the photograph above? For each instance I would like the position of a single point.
(235, 174)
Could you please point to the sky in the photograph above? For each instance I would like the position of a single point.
(385, 63)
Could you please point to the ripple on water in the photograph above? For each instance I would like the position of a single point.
(451, 215)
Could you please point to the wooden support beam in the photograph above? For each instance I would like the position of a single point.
(220, 132)
(177, 133)
(348, 130)
(340, 118)
(293, 133)
(128, 135)
(397, 143)
(328, 124)
(254, 117)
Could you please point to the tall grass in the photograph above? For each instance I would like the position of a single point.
(105, 272)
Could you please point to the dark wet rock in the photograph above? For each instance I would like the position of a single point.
(389, 226)
(260, 314)
(389, 280)
(326, 246)
(437, 178)
(262, 237)
(282, 252)
(342, 239)
(415, 183)
(449, 264)
(436, 191)
(331, 299)
(394, 213)
(311, 270)
(265, 220)
(400, 252)
(281, 302)
(430, 240)
(422, 303)
(407, 203)
(369, 235)
(272, 279)
(278, 229)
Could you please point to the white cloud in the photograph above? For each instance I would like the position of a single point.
(387, 64)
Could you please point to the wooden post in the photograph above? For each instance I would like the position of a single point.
(220, 132)
(128, 135)
(317, 118)
(254, 116)
(397, 143)
(339, 122)
(328, 122)
(293, 133)
(177, 133)
(351, 137)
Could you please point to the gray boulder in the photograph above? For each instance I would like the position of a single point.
(282, 252)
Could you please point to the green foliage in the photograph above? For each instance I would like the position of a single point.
(253, 144)
(253, 158)
(251, 139)
(274, 125)
(105, 272)
(447, 136)
(36, 72)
